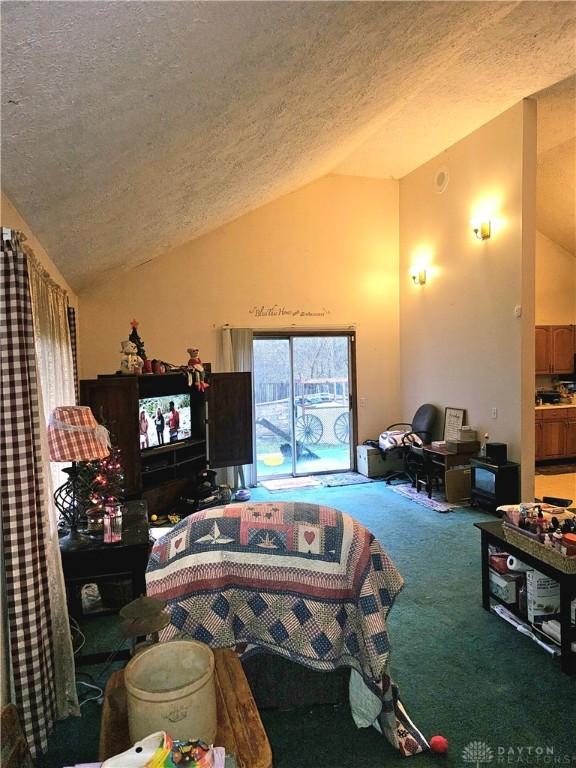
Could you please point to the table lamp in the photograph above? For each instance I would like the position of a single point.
(74, 435)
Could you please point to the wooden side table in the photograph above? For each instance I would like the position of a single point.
(436, 462)
(240, 730)
(99, 563)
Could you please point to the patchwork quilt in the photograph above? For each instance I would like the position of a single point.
(300, 580)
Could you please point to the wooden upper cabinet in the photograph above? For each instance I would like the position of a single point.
(554, 348)
(542, 337)
(562, 349)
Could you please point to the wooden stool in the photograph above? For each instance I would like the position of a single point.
(240, 728)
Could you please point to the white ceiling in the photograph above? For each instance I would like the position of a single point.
(129, 128)
(556, 169)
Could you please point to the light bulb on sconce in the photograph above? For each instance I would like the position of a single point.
(418, 276)
(482, 230)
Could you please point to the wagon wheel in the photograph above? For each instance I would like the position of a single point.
(309, 428)
(342, 428)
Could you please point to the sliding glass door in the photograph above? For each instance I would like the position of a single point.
(304, 412)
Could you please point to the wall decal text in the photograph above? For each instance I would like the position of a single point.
(278, 310)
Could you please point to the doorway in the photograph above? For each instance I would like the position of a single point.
(304, 404)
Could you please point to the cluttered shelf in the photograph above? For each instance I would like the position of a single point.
(536, 595)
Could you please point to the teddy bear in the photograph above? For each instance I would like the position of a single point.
(196, 370)
(130, 363)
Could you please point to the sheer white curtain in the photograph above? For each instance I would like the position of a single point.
(238, 356)
(56, 382)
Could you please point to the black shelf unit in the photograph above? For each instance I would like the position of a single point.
(492, 535)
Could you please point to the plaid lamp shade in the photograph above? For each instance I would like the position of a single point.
(75, 435)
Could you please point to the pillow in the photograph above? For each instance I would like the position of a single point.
(395, 438)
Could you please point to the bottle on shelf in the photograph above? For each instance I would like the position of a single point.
(483, 446)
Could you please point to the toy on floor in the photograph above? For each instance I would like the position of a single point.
(439, 744)
(160, 751)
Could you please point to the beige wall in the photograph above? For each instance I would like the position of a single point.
(328, 251)
(555, 283)
(9, 217)
(461, 344)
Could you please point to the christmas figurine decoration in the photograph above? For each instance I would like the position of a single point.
(135, 339)
(131, 363)
(196, 370)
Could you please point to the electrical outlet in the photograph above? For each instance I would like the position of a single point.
(494, 413)
(362, 402)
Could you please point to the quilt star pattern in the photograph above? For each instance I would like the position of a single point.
(303, 581)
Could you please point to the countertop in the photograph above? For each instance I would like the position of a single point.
(559, 405)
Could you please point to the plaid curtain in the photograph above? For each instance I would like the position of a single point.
(24, 516)
(74, 345)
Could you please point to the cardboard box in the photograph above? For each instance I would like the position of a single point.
(463, 446)
(371, 463)
(457, 483)
(503, 586)
(543, 597)
(466, 434)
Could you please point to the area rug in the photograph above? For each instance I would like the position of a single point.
(287, 483)
(556, 469)
(437, 504)
(343, 478)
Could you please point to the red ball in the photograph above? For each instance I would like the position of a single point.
(439, 744)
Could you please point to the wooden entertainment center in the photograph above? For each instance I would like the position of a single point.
(220, 430)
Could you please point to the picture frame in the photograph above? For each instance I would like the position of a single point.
(453, 420)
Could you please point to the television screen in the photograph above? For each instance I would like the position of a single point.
(484, 480)
(163, 420)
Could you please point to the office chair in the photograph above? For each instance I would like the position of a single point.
(418, 431)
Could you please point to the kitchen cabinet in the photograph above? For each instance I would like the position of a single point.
(571, 433)
(539, 448)
(555, 433)
(554, 349)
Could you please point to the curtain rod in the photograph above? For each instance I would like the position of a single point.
(7, 233)
(33, 260)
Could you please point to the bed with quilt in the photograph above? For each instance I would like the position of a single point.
(303, 581)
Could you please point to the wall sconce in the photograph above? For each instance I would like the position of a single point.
(418, 276)
(482, 231)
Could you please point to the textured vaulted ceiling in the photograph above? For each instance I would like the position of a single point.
(556, 169)
(132, 127)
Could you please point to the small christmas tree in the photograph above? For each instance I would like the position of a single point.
(108, 484)
(135, 339)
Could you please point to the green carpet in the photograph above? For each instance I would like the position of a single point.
(462, 672)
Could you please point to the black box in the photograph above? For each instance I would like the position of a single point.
(497, 452)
